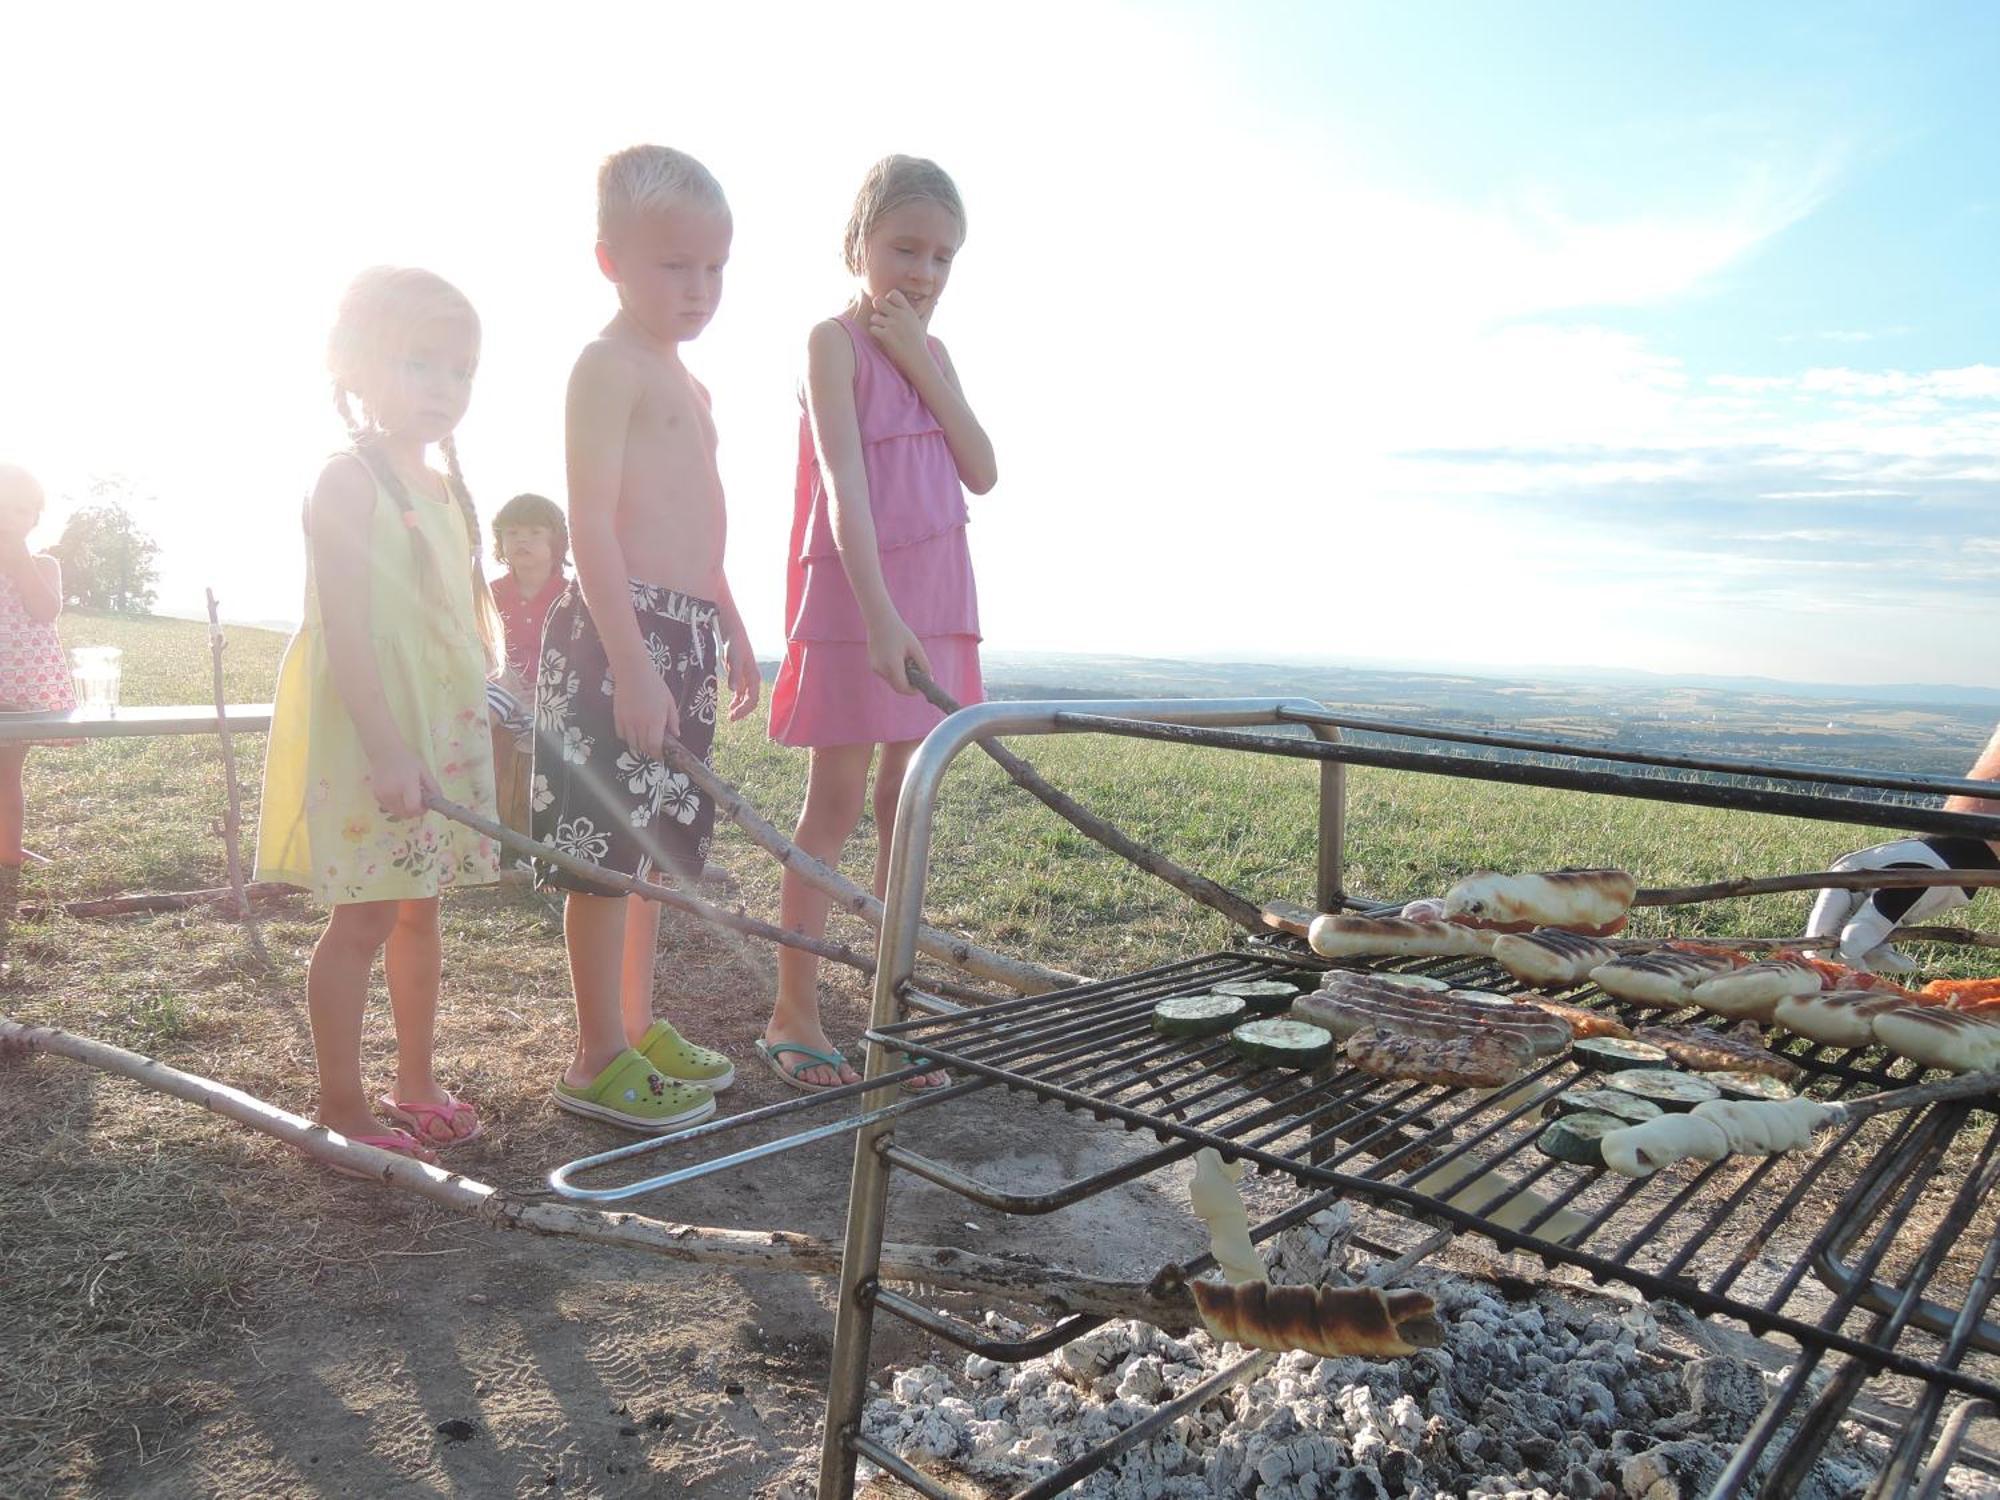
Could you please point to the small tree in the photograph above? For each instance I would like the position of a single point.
(107, 561)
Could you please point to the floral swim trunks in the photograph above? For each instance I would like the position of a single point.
(592, 795)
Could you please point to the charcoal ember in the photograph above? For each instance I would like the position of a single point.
(1098, 1352)
(1682, 1470)
(1141, 1379)
(943, 1431)
(1531, 1397)
(978, 1367)
(1725, 1394)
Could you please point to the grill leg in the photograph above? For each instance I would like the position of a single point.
(867, 1199)
(861, 1259)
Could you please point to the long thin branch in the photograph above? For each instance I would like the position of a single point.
(1169, 1305)
(1023, 978)
(1017, 974)
(1966, 937)
(1244, 913)
(232, 817)
(667, 896)
(1825, 880)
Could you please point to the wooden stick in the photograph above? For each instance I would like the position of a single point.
(679, 900)
(1964, 936)
(1245, 914)
(1017, 974)
(1825, 880)
(232, 817)
(1168, 1305)
(1026, 979)
(1964, 1086)
(139, 901)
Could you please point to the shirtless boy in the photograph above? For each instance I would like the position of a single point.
(632, 650)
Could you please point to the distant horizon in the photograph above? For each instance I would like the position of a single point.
(1961, 694)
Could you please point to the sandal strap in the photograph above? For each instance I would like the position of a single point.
(629, 1068)
(829, 1058)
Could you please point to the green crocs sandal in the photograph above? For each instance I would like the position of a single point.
(681, 1061)
(629, 1093)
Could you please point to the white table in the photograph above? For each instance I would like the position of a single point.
(99, 724)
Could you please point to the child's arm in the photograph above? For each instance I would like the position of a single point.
(603, 394)
(900, 332)
(837, 437)
(339, 519)
(36, 577)
(746, 678)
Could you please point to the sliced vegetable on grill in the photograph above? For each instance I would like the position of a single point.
(1675, 1093)
(1629, 1109)
(1754, 1086)
(1578, 1138)
(1610, 1054)
(1282, 1044)
(1198, 1015)
(1267, 997)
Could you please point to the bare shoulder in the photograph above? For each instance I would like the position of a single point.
(345, 488)
(604, 370)
(829, 348)
(700, 390)
(50, 567)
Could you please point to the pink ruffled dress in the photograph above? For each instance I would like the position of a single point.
(825, 694)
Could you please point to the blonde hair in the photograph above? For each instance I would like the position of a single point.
(646, 179)
(377, 318)
(890, 183)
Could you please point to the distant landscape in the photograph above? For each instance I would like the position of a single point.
(1902, 727)
(1930, 728)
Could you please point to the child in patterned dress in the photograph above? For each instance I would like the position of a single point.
(381, 701)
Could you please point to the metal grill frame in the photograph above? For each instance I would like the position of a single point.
(1217, 723)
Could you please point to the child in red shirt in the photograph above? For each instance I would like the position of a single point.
(532, 539)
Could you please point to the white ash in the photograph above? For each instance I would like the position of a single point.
(1541, 1399)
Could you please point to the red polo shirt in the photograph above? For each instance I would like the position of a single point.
(522, 616)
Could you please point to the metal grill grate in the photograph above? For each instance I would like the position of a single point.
(1847, 1251)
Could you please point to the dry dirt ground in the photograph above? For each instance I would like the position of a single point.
(397, 1350)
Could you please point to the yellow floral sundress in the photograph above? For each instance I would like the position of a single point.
(320, 826)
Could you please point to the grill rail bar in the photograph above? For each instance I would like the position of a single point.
(1187, 1096)
(1858, 811)
(1726, 765)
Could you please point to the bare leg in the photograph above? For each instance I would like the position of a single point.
(336, 997)
(888, 791)
(415, 972)
(13, 803)
(594, 933)
(834, 786)
(642, 950)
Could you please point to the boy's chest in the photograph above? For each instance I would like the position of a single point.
(672, 417)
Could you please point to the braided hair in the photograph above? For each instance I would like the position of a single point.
(381, 308)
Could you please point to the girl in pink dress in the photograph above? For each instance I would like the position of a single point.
(878, 574)
(34, 675)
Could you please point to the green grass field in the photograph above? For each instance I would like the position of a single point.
(126, 815)
(212, 1236)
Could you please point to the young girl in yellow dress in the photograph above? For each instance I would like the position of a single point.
(382, 699)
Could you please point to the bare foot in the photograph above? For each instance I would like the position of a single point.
(811, 1035)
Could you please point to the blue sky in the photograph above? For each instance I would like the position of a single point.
(1630, 335)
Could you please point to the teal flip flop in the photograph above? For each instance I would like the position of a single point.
(814, 1057)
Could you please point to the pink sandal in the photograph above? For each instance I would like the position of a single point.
(434, 1124)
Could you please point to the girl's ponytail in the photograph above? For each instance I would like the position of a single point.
(484, 611)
